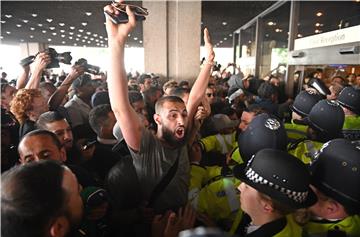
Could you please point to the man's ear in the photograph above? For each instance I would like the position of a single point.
(63, 154)
(59, 227)
(157, 119)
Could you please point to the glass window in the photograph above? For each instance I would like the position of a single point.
(320, 17)
(274, 42)
(247, 49)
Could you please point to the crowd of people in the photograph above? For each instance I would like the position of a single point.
(125, 155)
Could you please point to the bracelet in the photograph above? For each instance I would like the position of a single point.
(212, 63)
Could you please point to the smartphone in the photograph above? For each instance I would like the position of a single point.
(122, 18)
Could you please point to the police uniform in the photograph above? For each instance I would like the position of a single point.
(349, 98)
(335, 173)
(222, 143)
(295, 131)
(284, 179)
(305, 150)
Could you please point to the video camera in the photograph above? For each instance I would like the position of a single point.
(56, 58)
(95, 70)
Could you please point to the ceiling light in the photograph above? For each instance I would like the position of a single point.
(102, 37)
(43, 31)
(317, 24)
(230, 35)
(271, 23)
(70, 37)
(92, 38)
(31, 36)
(220, 41)
(225, 38)
(72, 27)
(3, 22)
(140, 41)
(71, 33)
(21, 40)
(83, 40)
(89, 42)
(77, 39)
(81, 30)
(95, 35)
(34, 15)
(78, 35)
(52, 28)
(278, 30)
(54, 33)
(101, 41)
(62, 36)
(105, 38)
(224, 23)
(129, 35)
(88, 33)
(40, 25)
(18, 25)
(97, 44)
(267, 35)
(61, 24)
(299, 35)
(250, 41)
(317, 31)
(25, 21)
(75, 44)
(88, 13)
(96, 40)
(62, 31)
(85, 37)
(49, 39)
(319, 14)
(49, 20)
(32, 28)
(84, 23)
(8, 16)
(135, 38)
(63, 42)
(8, 32)
(1, 37)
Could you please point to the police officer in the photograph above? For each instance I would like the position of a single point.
(301, 108)
(274, 184)
(325, 121)
(336, 182)
(213, 189)
(349, 99)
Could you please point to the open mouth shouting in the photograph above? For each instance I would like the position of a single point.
(180, 132)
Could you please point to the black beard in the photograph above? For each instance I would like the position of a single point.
(170, 139)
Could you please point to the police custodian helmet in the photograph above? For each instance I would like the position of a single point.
(304, 102)
(336, 172)
(349, 97)
(264, 131)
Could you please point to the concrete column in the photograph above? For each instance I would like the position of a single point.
(28, 49)
(172, 34)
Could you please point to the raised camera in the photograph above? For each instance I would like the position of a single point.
(95, 70)
(56, 58)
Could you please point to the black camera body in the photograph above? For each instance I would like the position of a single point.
(95, 70)
(56, 58)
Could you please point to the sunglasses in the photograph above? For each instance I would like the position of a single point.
(210, 94)
(138, 11)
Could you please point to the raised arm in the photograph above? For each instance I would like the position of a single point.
(198, 90)
(58, 96)
(23, 78)
(126, 116)
(40, 63)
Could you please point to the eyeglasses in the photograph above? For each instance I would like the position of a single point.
(210, 94)
(139, 11)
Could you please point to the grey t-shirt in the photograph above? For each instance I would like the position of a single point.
(152, 162)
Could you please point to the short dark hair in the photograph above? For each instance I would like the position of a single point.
(135, 96)
(151, 91)
(266, 90)
(98, 117)
(31, 197)
(180, 92)
(81, 81)
(160, 102)
(48, 117)
(143, 77)
(46, 133)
